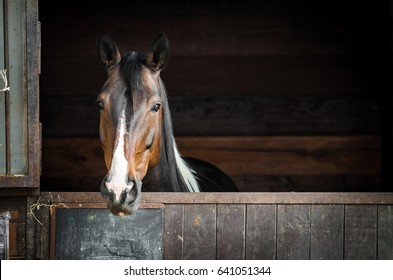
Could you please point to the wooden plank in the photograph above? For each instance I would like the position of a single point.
(281, 76)
(307, 143)
(231, 232)
(327, 232)
(320, 183)
(293, 232)
(236, 156)
(42, 249)
(287, 163)
(296, 198)
(360, 232)
(32, 239)
(80, 161)
(14, 241)
(2, 98)
(261, 232)
(273, 115)
(173, 232)
(209, 34)
(213, 116)
(16, 34)
(244, 183)
(385, 232)
(199, 240)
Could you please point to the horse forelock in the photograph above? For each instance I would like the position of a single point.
(131, 66)
(130, 69)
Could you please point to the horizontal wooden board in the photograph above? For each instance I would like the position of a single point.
(238, 155)
(291, 163)
(245, 183)
(235, 26)
(225, 75)
(201, 35)
(328, 163)
(323, 183)
(78, 116)
(328, 198)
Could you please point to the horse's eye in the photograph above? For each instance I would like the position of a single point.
(156, 107)
(100, 104)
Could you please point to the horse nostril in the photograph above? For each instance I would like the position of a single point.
(133, 194)
(134, 191)
(131, 183)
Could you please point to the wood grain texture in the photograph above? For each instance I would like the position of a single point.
(261, 232)
(327, 232)
(305, 198)
(360, 232)
(173, 232)
(385, 232)
(323, 155)
(208, 35)
(223, 75)
(231, 232)
(199, 241)
(266, 163)
(293, 232)
(264, 27)
(213, 116)
(269, 225)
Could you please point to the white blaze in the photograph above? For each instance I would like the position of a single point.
(118, 174)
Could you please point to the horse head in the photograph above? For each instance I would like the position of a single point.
(130, 106)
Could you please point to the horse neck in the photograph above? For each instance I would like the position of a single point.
(171, 173)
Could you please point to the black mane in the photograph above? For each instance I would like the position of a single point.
(130, 68)
(166, 176)
(176, 180)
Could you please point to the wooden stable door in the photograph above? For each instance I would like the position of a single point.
(19, 103)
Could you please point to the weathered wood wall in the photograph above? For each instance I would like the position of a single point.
(237, 68)
(264, 163)
(259, 226)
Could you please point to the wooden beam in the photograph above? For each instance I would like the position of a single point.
(302, 155)
(238, 198)
(226, 115)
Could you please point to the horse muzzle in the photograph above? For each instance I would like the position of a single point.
(125, 202)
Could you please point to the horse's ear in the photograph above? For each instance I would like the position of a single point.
(158, 53)
(107, 51)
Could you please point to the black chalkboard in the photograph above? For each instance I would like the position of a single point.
(87, 234)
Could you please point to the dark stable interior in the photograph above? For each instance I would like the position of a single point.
(297, 91)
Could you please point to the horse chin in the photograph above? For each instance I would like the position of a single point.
(128, 202)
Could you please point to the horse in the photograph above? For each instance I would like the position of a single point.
(136, 131)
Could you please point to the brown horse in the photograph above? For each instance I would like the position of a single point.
(136, 131)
